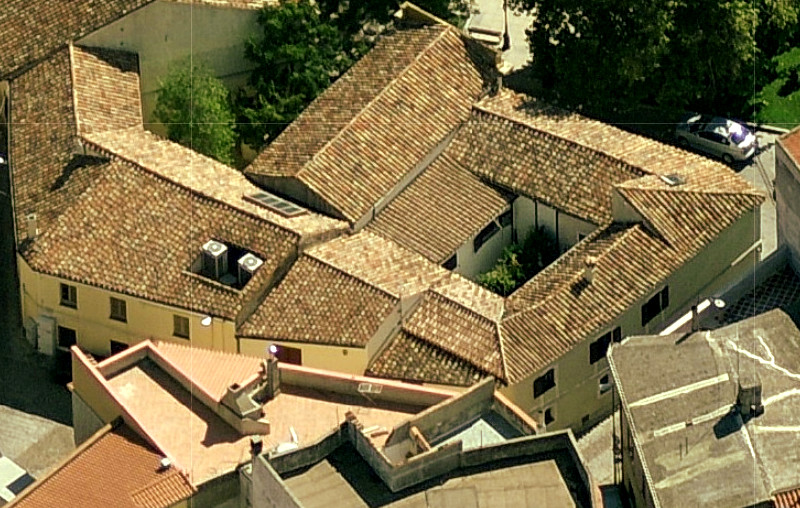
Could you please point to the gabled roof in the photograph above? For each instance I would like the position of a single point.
(341, 291)
(357, 140)
(115, 467)
(133, 218)
(442, 208)
(790, 142)
(34, 30)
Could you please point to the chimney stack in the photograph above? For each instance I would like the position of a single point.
(749, 398)
(32, 223)
(591, 265)
(695, 319)
(256, 446)
(273, 376)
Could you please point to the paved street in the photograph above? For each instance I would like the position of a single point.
(35, 412)
(761, 173)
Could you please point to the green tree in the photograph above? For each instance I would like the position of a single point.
(197, 111)
(680, 54)
(778, 103)
(520, 261)
(297, 57)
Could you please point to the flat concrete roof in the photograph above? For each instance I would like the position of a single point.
(345, 476)
(679, 393)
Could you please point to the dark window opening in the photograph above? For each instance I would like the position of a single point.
(117, 347)
(505, 219)
(543, 383)
(180, 326)
(605, 384)
(599, 348)
(119, 310)
(291, 355)
(69, 296)
(655, 305)
(451, 263)
(485, 235)
(67, 337)
(549, 417)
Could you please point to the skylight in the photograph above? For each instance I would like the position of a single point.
(276, 204)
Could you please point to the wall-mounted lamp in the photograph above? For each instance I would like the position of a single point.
(206, 321)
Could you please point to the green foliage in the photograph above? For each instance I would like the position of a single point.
(778, 103)
(680, 54)
(520, 261)
(298, 56)
(196, 109)
(303, 48)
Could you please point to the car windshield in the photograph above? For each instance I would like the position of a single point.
(738, 132)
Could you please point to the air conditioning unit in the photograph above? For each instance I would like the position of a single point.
(215, 259)
(248, 264)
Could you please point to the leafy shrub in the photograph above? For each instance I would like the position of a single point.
(520, 261)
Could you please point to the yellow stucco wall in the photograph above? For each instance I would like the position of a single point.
(340, 359)
(576, 393)
(41, 296)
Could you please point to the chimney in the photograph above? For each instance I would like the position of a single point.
(748, 400)
(273, 376)
(695, 319)
(32, 223)
(591, 265)
(256, 446)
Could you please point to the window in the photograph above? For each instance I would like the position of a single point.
(117, 347)
(599, 348)
(180, 326)
(581, 236)
(67, 337)
(655, 305)
(291, 355)
(451, 263)
(69, 296)
(485, 235)
(543, 383)
(119, 310)
(549, 416)
(505, 219)
(605, 384)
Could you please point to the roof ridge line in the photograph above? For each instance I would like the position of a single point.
(645, 217)
(159, 342)
(521, 123)
(552, 293)
(373, 100)
(351, 275)
(189, 189)
(678, 190)
(403, 329)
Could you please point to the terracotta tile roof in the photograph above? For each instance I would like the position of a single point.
(201, 174)
(34, 30)
(787, 499)
(105, 89)
(213, 371)
(440, 210)
(791, 144)
(412, 359)
(115, 468)
(376, 122)
(135, 233)
(341, 291)
(321, 304)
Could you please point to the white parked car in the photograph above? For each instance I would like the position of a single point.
(723, 138)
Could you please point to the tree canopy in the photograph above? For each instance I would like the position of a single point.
(196, 109)
(680, 54)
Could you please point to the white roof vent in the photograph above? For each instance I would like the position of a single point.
(215, 262)
(32, 224)
(164, 464)
(248, 265)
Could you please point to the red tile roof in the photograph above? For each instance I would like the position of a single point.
(114, 468)
(357, 140)
(787, 499)
(442, 208)
(791, 144)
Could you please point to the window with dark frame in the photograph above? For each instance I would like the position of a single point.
(451, 263)
(599, 348)
(655, 305)
(119, 310)
(549, 416)
(69, 296)
(605, 384)
(291, 355)
(543, 383)
(485, 235)
(180, 326)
